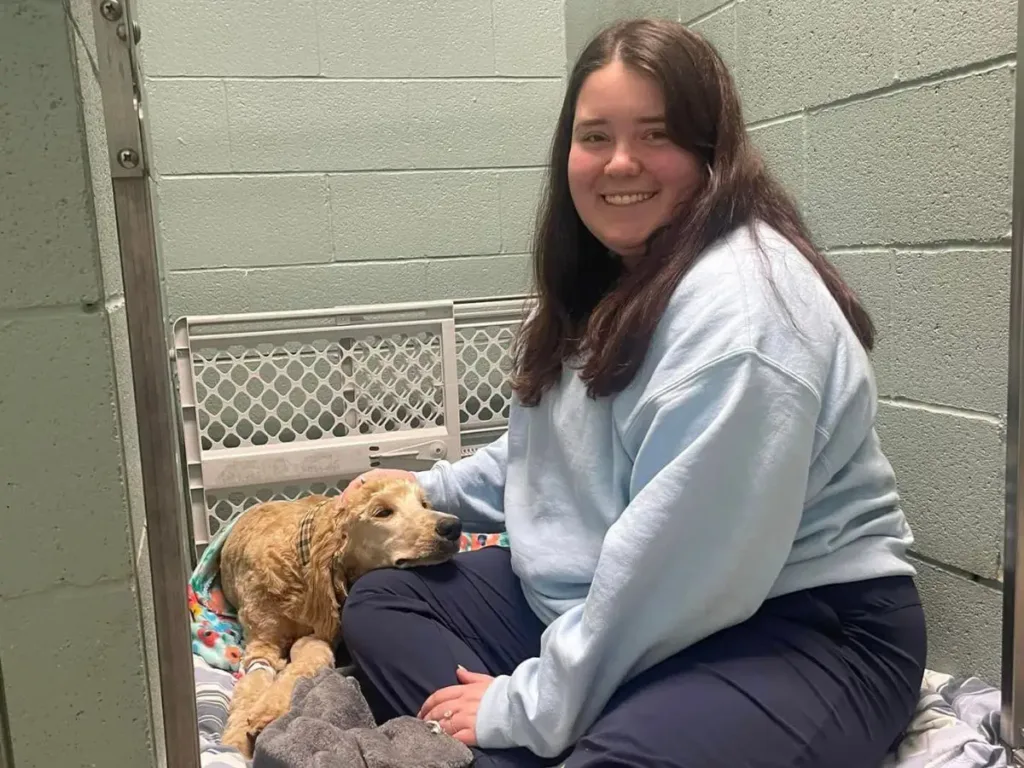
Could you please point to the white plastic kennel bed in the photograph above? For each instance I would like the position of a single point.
(276, 405)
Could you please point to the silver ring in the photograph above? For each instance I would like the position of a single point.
(447, 715)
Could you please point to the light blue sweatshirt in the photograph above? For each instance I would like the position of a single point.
(740, 464)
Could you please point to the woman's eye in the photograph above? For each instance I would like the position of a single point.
(383, 512)
(658, 135)
(592, 138)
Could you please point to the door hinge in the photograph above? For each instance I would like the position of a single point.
(117, 61)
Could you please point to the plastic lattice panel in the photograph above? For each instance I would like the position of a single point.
(334, 385)
(484, 361)
(222, 508)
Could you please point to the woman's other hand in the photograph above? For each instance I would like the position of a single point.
(454, 708)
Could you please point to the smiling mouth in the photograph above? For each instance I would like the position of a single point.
(631, 199)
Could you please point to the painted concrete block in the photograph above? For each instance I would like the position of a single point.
(794, 55)
(412, 215)
(47, 239)
(75, 680)
(950, 322)
(286, 125)
(283, 125)
(936, 35)
(941, 322)
(949, 471)
(782, 146)
(930, 164)
(243, 38)
(520, 192)
(188, 126)
(492, 124)
(245, 221)
(964, 624)
(719, 29)
(692, 9)
(872, 275)
(529, 37)
(477, 276)
(368, 38)
(284, 288)
(584, 18)
(62, 489)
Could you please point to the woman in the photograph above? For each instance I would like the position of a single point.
(707, 554)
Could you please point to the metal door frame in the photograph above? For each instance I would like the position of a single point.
(6, 748)
(1012, 683)
(120, 82)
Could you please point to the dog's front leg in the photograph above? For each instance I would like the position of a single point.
(261, 662)
(248, 690)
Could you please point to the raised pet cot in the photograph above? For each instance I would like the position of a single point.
(275, 405)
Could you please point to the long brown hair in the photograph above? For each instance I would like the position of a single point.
(588, 306)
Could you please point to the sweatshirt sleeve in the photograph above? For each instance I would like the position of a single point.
(472, 488)
(717, 490)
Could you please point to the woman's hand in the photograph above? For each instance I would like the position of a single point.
(454, 708)
(376, 474)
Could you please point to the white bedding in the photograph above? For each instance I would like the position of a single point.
(956, 724)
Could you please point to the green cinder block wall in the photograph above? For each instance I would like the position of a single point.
(377, 160)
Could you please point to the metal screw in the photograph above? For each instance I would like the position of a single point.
(122, 32)
(111, 10)
(128, 158)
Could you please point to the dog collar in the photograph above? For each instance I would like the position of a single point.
(305, 541)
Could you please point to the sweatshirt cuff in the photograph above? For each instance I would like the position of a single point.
(433, 483)
(493, 717)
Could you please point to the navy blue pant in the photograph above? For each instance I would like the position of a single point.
(825, 677)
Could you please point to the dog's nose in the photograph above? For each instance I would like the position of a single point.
(449, 528)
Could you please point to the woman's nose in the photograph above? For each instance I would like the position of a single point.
(623, 162)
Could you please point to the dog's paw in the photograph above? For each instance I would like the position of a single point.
(238, 739)
(260, 719)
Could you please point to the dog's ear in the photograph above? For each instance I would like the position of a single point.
(328, 546)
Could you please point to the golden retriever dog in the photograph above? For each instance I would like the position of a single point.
(287, 567)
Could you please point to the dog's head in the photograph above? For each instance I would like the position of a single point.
(388, 523)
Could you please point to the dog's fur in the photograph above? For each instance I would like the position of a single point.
(383, 523)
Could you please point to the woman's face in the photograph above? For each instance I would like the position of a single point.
(625, 177)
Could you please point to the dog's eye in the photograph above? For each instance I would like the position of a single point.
(383, 512)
